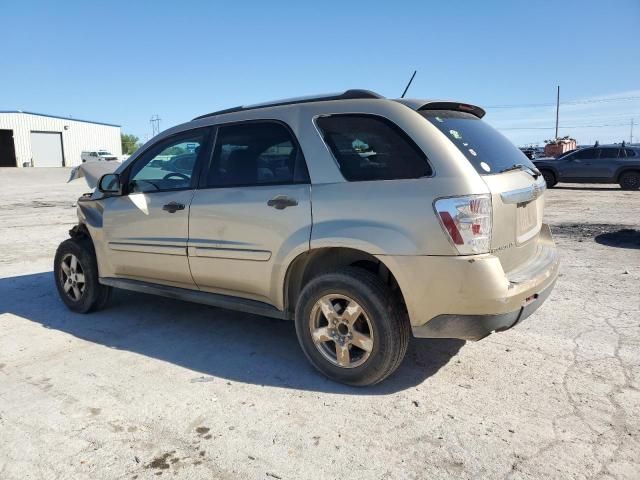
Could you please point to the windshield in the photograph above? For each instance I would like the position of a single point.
(566, 153)
(485, 148)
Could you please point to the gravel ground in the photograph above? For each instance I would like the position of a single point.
(157, 387)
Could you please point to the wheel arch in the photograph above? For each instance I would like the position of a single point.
(550, 169)
(625, 169)
(80, 231)
(310, 264)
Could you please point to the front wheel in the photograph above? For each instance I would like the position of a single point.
(351, 327)
(630, 181)
(76, 275)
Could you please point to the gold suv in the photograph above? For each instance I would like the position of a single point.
(361, 218)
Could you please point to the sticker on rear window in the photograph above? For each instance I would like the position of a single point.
(485, 167)
(455, 134)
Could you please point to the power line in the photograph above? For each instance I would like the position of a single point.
(565, 126)
(573, 102)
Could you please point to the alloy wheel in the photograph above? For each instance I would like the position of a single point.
(72, 277)
(341, 331)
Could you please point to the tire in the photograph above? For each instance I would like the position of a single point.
(549, 178)
(77, 281)
(382, 328)
(630, 181)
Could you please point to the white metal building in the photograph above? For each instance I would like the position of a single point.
(35, 139)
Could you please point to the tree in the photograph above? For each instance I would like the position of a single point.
(129, 143)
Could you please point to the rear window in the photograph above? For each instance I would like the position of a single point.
(485, 148)
(369, 147)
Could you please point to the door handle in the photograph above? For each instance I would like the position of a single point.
(173, 207)
(280, 202)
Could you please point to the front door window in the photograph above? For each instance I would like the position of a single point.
(168, 166)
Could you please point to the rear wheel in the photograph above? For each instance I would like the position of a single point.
(630, 181)
(76, 275)
(352, 327)
(549, 178)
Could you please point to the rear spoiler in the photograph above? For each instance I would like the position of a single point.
(459, 107)
(423, 105)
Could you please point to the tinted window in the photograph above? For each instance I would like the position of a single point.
(367, 147)
(566, 154)
(586, 154)
(609, 152)
(168, 165)
(256, 153)
(629, 152)
(485, 148)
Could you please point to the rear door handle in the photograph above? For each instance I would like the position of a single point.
(173, 207)
(280, 202)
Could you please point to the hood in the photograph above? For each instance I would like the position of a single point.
(92, 171)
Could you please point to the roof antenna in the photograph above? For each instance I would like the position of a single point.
(409, 84)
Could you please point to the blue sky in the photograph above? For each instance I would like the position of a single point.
(122, 62)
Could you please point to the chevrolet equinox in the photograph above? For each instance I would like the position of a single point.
(361, 218)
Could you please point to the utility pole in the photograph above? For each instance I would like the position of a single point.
(557, 110)
(631, 134)
(155, 125)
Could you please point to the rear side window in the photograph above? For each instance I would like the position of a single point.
(369, 147)
(629, 152)
(609, 152)
(483, 146)
(256, 153)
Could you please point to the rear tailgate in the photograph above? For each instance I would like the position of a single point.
(517, 188)
(518, 204)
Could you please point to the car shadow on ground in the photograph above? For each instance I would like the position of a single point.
(623, 238)
(213, 342)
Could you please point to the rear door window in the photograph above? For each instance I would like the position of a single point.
(369, 147)
(256, 153)
(483, 146)
(629, 152)
(587, 154)
(609, 152)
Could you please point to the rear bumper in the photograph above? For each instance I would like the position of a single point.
(468, 297)
(476, 327)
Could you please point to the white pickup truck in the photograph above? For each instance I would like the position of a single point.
(97, 156)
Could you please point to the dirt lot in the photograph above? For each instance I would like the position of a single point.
(156, 387)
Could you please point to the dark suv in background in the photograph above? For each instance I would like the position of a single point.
(602, 164)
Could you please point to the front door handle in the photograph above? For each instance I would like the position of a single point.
(173, 207)
(280, 202)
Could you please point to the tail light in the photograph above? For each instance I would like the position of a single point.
(467, 221)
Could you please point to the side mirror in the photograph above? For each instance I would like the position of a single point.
(110, 184)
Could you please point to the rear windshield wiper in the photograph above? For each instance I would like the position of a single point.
(535, 173)
(515, 166)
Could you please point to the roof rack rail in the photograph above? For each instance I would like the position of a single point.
(347, 95)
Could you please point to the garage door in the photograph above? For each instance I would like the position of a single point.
(46, 149)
